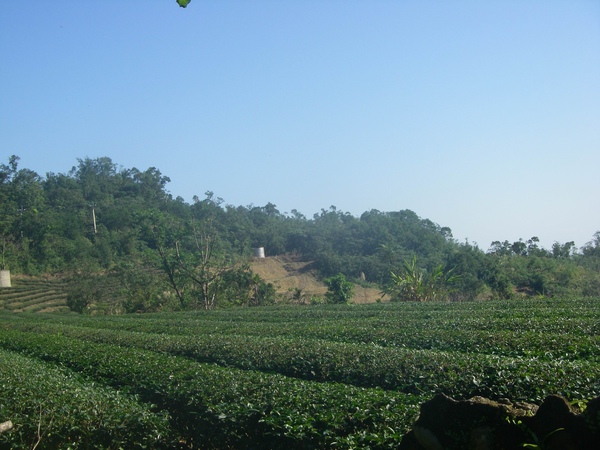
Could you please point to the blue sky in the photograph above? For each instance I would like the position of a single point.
(483, 116)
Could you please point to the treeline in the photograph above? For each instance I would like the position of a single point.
(101, 218)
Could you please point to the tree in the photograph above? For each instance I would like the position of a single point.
(4, 244)
(519, 248)
(339, 290)
(467, 261)
(21, 203)
(592, 248)
(84, 291)
(242, 287)
(191, 256)
(205, 265)
(8, 209)
(564, 251)
(141, 288)
(590, 253)
(161, 233)
(501, 248)
(533, 248)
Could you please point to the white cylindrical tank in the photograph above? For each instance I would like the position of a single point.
(259, 252)
(4, 278)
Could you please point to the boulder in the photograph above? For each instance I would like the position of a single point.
(483, 424)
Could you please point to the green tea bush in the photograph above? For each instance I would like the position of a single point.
(345, 376)
(51, 407)
(215, 407)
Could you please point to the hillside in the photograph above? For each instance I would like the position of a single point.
(288, 273)
(135, 219)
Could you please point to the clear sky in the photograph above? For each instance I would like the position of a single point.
(483, 116)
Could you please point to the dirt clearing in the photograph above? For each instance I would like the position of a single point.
(288, 273)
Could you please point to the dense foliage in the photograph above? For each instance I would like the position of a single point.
(344, 376)
(57, 408)
(169, 254)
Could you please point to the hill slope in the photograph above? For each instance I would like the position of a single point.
(288, 273)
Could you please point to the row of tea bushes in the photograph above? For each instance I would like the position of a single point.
(51, 407)
(564, 329)
(412, 371)
(215, 407)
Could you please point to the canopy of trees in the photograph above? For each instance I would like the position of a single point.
(99, 217)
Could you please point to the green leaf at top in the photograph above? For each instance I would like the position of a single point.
(183, 3)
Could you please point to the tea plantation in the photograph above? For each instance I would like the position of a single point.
(331, 376)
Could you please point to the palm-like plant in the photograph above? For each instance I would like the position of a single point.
(418, 285)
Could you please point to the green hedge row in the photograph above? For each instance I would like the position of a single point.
(566, 329)
(51, 407)
(215, 407)
(407, 370)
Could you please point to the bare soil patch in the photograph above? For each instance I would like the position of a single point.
(290, 272)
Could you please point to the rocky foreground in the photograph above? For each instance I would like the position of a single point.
(483, 424)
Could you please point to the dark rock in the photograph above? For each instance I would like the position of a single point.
(483, 424)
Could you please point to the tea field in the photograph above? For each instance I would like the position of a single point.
(330, 376)
(35, 295)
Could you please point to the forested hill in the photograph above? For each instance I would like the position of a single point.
(100, 218)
